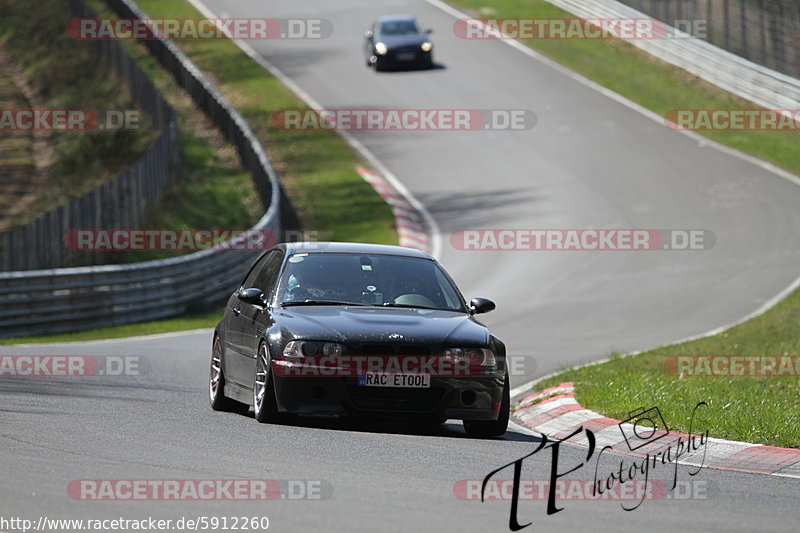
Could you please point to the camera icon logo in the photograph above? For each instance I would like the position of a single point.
(648, 426)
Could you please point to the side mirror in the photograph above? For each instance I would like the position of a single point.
(368, 34)
(429, 31)
(252, 296)
(481, 305)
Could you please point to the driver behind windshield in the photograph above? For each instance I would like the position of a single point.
(364, 280)
(401, 27)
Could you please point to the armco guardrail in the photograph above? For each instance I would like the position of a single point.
(211, 101)
(70, 299)
(764, 31)
(737, 75)
(122, 202)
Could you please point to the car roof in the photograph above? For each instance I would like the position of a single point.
(394, 18)
(353, 248)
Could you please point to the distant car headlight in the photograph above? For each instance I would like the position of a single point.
(426, 46)
(312, 348)
(481, 356)
(381, 49)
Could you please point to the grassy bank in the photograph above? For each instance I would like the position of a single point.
(651, 83)
(761, 410)
(16, 151)
(316, 169)
(754, 409)
(65, 74)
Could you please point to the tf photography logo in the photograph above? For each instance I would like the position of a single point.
(644, 427)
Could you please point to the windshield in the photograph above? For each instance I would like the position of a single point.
(399, 27)
(367, 279)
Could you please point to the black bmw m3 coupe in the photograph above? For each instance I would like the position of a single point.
(358, 330)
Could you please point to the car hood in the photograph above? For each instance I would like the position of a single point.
(404, 40)
(356, 325)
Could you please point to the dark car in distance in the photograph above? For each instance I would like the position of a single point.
(358, 330)
(398, 40)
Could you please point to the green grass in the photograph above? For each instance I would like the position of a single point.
(651, 83)
(212, 190)
(761, 410)
(316, 169)
(16, 154)
(208, 320)
(66, 74)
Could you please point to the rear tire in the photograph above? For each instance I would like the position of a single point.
(482, 429)
(216, 384)
(264, 402)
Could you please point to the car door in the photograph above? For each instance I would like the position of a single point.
(234, 338)
(248, 320)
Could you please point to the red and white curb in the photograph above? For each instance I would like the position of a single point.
(556, 413)
(410, 226)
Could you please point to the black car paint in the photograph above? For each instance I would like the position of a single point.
(397, 44)
(257, 319)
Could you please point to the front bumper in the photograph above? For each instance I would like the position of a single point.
(475, 397)
(405, 57)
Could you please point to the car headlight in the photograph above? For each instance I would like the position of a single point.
(381, 49)
(312, 348)
(426, 46)
(480, 356)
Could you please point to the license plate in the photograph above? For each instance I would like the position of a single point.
(408, 56)
(405, 381)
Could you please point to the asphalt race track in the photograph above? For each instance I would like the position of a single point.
(590, 162)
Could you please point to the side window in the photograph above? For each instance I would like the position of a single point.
(446, 288)
(268, 275)
(250, 279)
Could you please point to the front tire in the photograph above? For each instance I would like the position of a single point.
(482, 429)
(264, 402)
(216, 384)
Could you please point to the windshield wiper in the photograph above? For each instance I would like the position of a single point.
(320, 302)
(409, 306)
